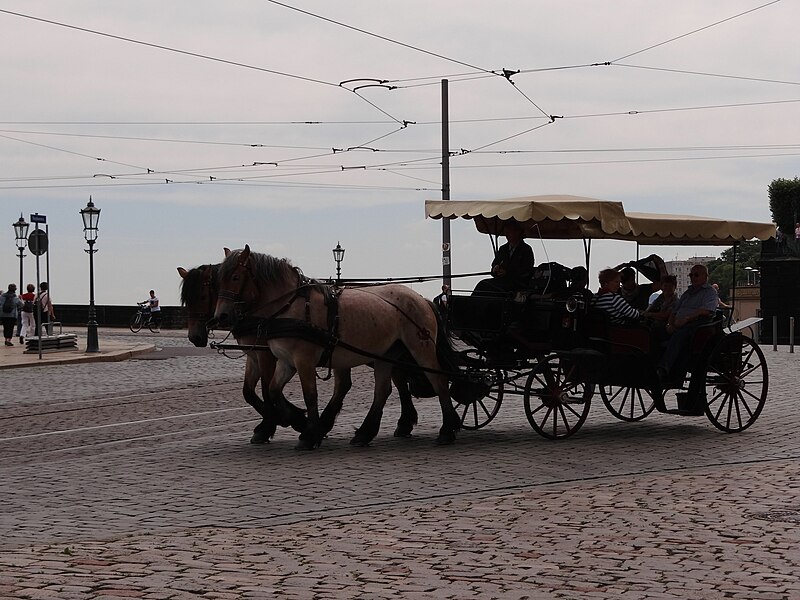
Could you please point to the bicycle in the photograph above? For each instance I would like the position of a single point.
(143, 318)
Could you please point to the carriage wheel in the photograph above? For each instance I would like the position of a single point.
(478, 411)
(627, 403)
(736, 383)
(555, 404)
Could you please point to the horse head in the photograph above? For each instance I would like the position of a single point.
(234, 277)
(199, 296)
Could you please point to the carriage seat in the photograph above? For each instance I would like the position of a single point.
(635, 338)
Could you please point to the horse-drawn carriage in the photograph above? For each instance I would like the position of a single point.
(542, 344)
(552, 350)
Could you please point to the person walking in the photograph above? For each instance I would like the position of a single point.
(48, 312)
(9, 305)
(28, 320)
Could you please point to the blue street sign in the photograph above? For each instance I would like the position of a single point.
(37, 218)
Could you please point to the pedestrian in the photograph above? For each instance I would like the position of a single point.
(9, 305)
(442, 301)
(155, 309)
(48, 312)
(28, 326)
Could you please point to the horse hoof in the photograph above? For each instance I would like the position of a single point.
(306, 445)
(360, 442)
(402, 433)
(259, 438)
(446, 439)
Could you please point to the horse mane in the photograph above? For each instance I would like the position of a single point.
(192, 285)
(264, 268)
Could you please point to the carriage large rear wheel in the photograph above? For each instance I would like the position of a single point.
(736, 383)
(480, 399)
(556, 404)
(627, 403)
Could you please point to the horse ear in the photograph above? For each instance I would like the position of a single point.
(227, 252)
(183, 272)
(244, 255)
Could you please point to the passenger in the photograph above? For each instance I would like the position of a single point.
(611, 302)
(722, 304)
(653, 268)
(695, 306)
(578, 284)
(513, 264)
(662, 306)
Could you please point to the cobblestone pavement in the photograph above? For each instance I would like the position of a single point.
(136, 480)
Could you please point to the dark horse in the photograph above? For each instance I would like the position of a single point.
(378, 324)
(199, 296)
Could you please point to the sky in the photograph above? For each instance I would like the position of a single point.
(198, 125)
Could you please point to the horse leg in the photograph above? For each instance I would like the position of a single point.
(408, 414)
(372, 422)
(311, 437)
(266, 429)
(342, 384)
(426, 358)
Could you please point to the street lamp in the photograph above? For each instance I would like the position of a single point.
(91, 216)
(755, 276)
(338, 256)
(21, 238)
(749, 270)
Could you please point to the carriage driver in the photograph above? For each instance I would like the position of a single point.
(513, 264)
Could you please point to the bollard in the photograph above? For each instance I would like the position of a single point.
(791, 335)
(775, 333)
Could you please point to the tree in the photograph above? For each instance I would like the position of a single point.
(784, 203)
(720, 270)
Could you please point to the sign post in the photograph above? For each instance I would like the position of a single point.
(37, 243)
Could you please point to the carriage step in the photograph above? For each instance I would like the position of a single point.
(685, 413)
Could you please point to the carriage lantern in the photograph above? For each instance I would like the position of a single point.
(91, 216)
(338, 256)
(21, 238)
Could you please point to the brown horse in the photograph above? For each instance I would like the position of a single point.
(258, 292)
(199, 296)
(199, 290)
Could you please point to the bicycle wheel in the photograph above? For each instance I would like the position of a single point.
(136, 322)
(153, 326)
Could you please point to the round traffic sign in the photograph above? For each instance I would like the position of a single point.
(37, 242)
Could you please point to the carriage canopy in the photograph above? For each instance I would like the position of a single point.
(576, 217)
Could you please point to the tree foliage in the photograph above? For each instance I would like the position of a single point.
(784, 204)
(720, 270)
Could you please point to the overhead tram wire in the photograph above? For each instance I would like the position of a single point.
(704, 74)
(678, 37)
(96, 158)
(192, 54)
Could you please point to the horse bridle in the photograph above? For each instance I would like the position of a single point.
(207, 281)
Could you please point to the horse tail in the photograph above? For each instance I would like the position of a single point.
(446, 352)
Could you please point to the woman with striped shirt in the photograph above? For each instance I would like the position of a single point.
(609, 300)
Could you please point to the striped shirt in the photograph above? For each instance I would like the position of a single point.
(616, 307)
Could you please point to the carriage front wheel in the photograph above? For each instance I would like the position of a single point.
(477, 401)
(556, 404)
(627, 403)
(736, 383)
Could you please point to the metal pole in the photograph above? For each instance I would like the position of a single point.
(47, 262)
(791, 335)
(91, 328)
(21, 279)
(39, 292)
(446, 253)
(775, 333)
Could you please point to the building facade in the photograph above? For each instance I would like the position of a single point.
(681, 268)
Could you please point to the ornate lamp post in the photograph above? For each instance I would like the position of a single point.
(749, 270)
(338, 256)
(91, 216)
(21, 238)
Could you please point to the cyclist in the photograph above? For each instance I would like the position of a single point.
(155, 309)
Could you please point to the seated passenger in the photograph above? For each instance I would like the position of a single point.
(638, 295)
(611, 302)
(695, 306)
(578, 284)
(663, 305)
(512, 266)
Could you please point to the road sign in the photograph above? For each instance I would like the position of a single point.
(37, 242)
(37, 218)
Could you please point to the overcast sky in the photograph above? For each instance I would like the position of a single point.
(196, 125)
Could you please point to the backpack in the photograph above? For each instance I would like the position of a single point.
(8, 305)
(27, 306)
